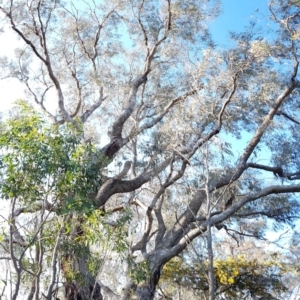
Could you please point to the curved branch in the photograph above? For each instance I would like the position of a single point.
(183, 238)
(20, 33)
(116, 129)
(192, 234)
(277, 171)
(260, 131)
(96, 105)
(270, 214)
(115, 186)
(142, 26)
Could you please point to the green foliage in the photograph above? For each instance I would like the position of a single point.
(236, 277)
(99, 231)
(138, 271)
(90, 237)
(98, 228)
(39, 159)
(43, 165)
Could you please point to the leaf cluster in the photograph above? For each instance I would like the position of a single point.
(40, 161)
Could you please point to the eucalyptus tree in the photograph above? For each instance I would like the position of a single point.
(151, 102)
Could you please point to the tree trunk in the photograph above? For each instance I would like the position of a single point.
(77, 291)
(82, 286)
(146, 290)
(86, 288)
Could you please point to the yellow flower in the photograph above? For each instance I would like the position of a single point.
(231, 280)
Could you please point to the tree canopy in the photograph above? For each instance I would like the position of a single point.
(123, 156)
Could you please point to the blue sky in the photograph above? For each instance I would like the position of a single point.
(236, 14)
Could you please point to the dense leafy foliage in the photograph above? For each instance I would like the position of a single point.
(41, 159)
(236, 277)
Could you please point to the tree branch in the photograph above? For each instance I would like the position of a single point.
(256, 138)
(281, 113)
(54, 260)
(114, 186)
(159, 117)
(277, 171)
(230, 211)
